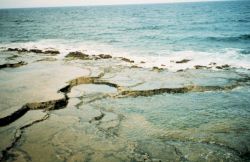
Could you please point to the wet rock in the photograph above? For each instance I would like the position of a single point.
(23, 50)
(143, 62)
(36, 51)
(78, 55)
(104, 56)
(246, 156)
(77, 81)
(127, 60)
(158, 151)
(97, 118)
(49, 105)
(98, 81)
(180, 70)
(47, 59)
(226, 66)
(152, 92)
(5, 155)
(135, 66)
(66, 89)
(155, 68)
(12, 57)
(14, 65)
(17, 49)
(52, 52)
(182, 61)
(14, 116)
(87, 80)
(12, 49)
(185, 89)
(212, 63)
(200, 67)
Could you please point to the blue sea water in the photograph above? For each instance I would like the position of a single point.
(219, 31)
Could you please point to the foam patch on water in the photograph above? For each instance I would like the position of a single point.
(168, 59)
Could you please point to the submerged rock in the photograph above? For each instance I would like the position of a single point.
(47, 59)
(12, 49)
(105, 56)
(212, 63)
(97, 118)
(53, 52)
(226, 66)
(17, 49)
(78, 55)
(12, 57)
(135, 66)
(180, 70)
(200, 67)
(182, 61)
(13, 65)
(36, 51)
(155, 68)
(127, 60)
(23, 50)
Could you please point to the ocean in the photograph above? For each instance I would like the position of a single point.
(203, 32)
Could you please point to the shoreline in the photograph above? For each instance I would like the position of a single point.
(179, 61)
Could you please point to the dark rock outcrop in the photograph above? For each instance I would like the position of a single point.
(127, 60)
(47, 59)
(78, 55)
(200, 67)
(152, 92)
(13, 65)
(104, 56)
(155, 68)
(48, 105)
(13, 49)
(52, 52)
(212, 63)
(182, 61)
(36, 51)
(135, 66)
(180, 70)
(17, 49)
(226, 66)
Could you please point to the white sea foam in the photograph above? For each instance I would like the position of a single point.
(232, 57)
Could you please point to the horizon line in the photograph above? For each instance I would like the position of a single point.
(122, 4)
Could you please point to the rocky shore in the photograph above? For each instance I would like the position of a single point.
(103, 108)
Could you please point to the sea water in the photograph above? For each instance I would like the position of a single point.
(203, 32)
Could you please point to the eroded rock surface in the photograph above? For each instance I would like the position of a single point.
(103, 110)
